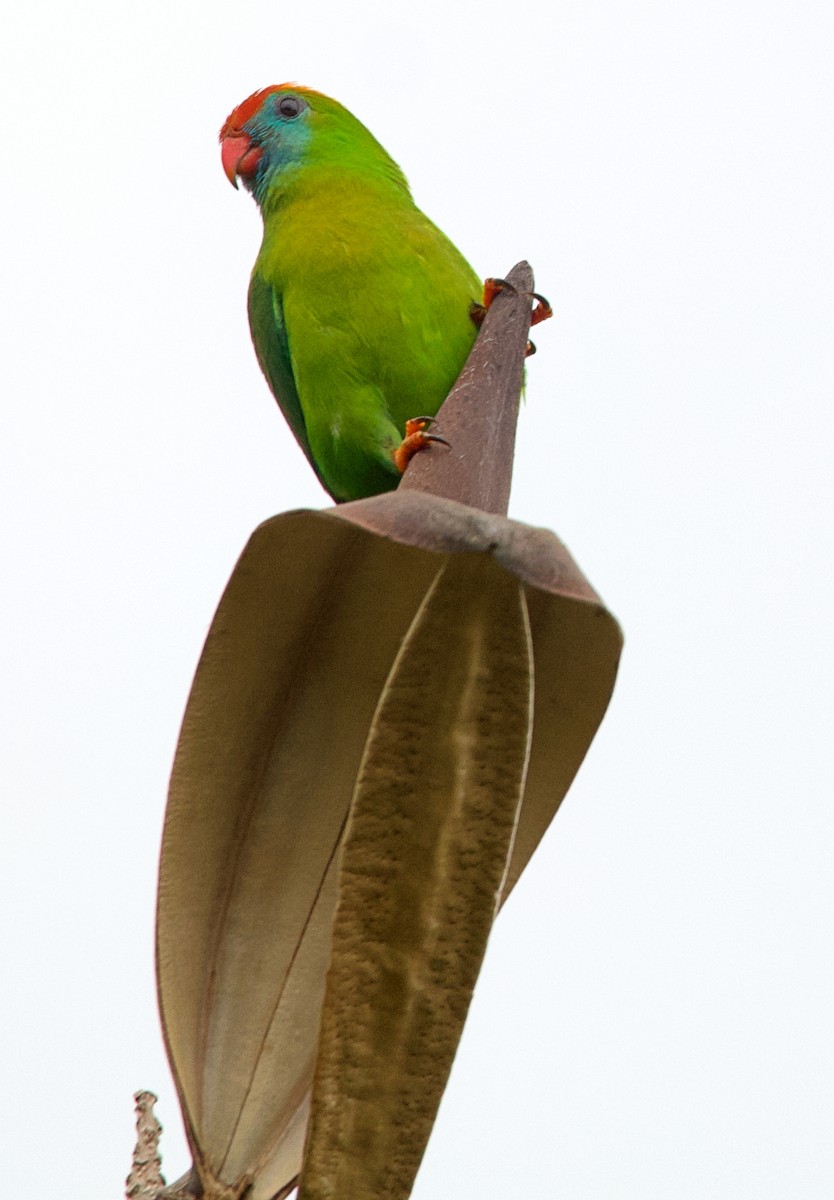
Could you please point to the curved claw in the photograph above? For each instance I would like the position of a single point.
(415, 439)
(493, 286)
(542, 311)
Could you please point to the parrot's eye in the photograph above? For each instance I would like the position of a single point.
(288, 107)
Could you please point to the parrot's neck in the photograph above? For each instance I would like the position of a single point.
(378, 178)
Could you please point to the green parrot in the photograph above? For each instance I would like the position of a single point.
(362, 312)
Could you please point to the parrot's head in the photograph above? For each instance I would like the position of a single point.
(267, 133)
(280, 129)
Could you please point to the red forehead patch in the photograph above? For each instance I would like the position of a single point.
(247, 109)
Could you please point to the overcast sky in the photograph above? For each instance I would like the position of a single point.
(653, 1020)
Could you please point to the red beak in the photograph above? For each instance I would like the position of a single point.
(238, 155)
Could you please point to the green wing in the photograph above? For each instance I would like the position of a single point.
(269, 335)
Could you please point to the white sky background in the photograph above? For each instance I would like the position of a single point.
(654, 1015)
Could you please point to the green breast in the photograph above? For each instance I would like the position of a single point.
(359, 310)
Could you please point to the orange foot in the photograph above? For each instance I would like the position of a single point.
(492, 287)
(415, 439)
